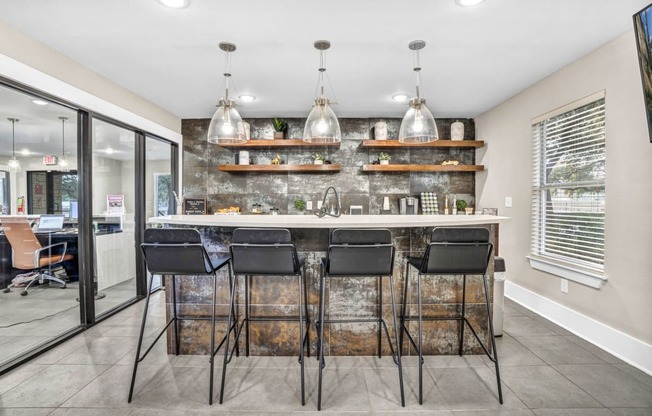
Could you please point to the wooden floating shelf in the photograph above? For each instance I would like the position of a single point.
(278, 143)
(390, 144)
(281, 168)
(422, 168)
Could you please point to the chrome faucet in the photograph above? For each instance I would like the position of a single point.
(335, 211)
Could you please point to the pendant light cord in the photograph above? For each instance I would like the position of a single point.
(227, 74)
(417, 70)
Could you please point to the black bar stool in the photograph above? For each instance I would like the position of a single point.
(267, 252)
(464, 251)
(360, 252)
(172, 252)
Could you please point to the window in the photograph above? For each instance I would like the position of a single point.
(568, 191)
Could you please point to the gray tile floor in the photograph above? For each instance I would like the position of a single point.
(546, 372)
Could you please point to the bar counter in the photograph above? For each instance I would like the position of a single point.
(348, 297)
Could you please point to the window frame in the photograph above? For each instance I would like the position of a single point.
(585, 272)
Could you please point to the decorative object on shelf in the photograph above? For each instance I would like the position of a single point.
(228, 211)
(280, 128)
(277, 160)
(13, 165)
(226, 125)
(454, 205)
(450, 162)
(274, 211)
(63, 162)
(418, 125)
(429, 205)
(468, 210)
(194, 206)
(384, 158)
(247, 130)
(243, 158)
(300, 205)
(380, 130)
(318, 158)
(461, 206)
(322, 125)
(256, 209)
(386, 206)
(446, 205)
(457, 130)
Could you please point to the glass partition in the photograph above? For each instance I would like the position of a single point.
(114, 205)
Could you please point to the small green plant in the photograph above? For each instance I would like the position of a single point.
(461, 205)
(318, 156)
(300, 204)
(280, 125)
(384, 156)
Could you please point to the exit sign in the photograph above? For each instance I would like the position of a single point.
(50, 160)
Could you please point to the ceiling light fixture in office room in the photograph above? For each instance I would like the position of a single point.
(226, 125)
(468, 3)
(14, 165)
(418, 124)
(175, 4)
(322, 125)
(64, 166)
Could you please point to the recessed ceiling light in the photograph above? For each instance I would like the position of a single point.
(109, 151)
(468, 3)
(247, 98)
(401, 98)
(25, 152)
(175, 4)
(39, 102)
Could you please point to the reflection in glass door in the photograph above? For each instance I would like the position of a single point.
(114, 207)
(159, 199)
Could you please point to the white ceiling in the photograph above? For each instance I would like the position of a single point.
(475, 57)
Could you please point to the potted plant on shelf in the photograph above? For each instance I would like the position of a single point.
(300, 205)
(318, 158)
(461, 206)
(280, 128)
(384, 158)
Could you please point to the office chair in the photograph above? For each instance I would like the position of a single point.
(28, 254)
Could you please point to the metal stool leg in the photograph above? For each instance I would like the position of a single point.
(247, 288)
(305, 305)
(228, 334)
(212, 349)
(174, 314)
(380, 314)
(461, 350)
(396, 338)
(140, 339)
(322, 285)
(301, 358)
(404, 305)
(493, 338)
(420, 340)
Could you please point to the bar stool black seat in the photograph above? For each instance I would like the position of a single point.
(172, 252)
(267, 252)
(357, 253)
(452, 251)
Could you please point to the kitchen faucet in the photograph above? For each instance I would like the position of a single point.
(335, 211)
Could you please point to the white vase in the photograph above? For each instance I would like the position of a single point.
(457, 131)
(380, 130)
(384, 162)
(247, 130)
(319, 162)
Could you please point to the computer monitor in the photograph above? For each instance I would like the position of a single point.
(50, 223)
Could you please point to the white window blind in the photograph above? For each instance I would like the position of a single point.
(568, 187)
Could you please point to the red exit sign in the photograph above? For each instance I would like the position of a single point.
(50, 160)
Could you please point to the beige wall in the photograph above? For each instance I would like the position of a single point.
(20, 47)
(625, 302)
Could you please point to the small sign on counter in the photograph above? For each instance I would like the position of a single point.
(194, 206)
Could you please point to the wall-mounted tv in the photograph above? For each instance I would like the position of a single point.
(643, 32)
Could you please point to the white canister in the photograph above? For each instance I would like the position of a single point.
(247, 130)
(380, 130)
(244, 157)
(457, 131)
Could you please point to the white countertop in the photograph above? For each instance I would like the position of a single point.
(312, 221)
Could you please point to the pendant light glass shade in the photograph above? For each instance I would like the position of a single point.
(226, 125)
(322, 125)
(14, 165)
(418, 124)
(63, 162)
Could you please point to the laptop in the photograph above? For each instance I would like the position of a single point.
(49, 223)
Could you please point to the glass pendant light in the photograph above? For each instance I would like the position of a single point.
(13, 166)
(226, 125)
(63, 162)
(418, 125)
(322, 125)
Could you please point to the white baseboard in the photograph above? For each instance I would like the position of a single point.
(623, 346)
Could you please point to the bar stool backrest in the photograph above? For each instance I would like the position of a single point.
(175, 251)
(457, 251)
(360, 252)
(263, 251)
